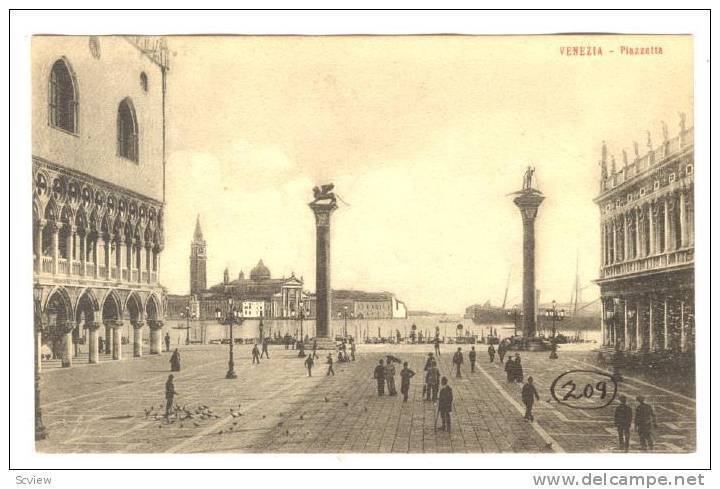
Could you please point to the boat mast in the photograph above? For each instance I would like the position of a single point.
(507, 286)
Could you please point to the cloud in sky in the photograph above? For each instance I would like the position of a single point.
(424, 137)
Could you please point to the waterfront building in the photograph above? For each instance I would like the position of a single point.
(367, 305)
(98, 178)
(647, 246)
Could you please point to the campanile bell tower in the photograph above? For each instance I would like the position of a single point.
(198, 261)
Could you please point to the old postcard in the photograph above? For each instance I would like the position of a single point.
(415, 244)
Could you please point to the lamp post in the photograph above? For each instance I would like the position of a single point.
(231, 319)
(345, 315)
(187, 326)
(301, 317)
(40, 431)
(515, 314)
(554, 314)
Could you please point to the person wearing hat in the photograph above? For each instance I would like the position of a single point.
(445, 404)
(175, 361)
(379, 375)
(169, 395)
(330, 365)
(437, 344)
(390, 376)
(623, 421)
(644, 423)
(432, 381)
(458, 361)
(405, 375)
(518, 374)
(529, 395)
(510, 369)
(309, 362)
(255, 354)
(473, 357)
(491, 353)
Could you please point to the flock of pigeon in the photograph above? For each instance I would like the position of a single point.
(181, 415)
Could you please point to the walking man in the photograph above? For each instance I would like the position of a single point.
(437, 344)
(432, 379)
(529, 396)
(167, 341)
(255, 354)
(473, 356)
(390, 377)
(265, 349)
(510, 369)
(405, 375)
(501, 353)
(491, 353)
(518, 375)
(352, 349)
(458, 361)
(623, 421)
(330, 365)
(379, 375)
(314, 353)
(169, 396)
(644, 423)
(445, 404)
(309, 362)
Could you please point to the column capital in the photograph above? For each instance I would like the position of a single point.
(55, 226)
(322, 212)
(137, 324)
(113, 323)
(155, 324)
(92, 325)
(68, 327)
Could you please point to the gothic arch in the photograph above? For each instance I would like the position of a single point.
(59, 295)
(152, 307)
(112, 306)
(134, 307)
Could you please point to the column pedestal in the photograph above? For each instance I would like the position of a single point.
(137, 338)
(323, 210)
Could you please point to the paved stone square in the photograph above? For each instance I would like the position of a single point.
(274, 407)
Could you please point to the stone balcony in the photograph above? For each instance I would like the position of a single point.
(77, 271)
(656, 262)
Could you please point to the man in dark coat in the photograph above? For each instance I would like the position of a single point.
(175, 361)
(167, 341)
(390, 376)
(510, 369)
(623, 421)
(432, 381)
(169, 396)
(352, 349)
(265, 349)
(502, 349)
(458, 361)
(518, 374)
(309, 362)
(255, 354)
(437, 345)
(445, 402)
(473, 357)
(379, 376)
(644, 423)
(405, 375)
(529, 395)
(491, 353)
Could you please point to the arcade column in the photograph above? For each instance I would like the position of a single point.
(92, 328)
(117, 340)
(155, 332)
(137, 338)
(528, 201)
(323, 211)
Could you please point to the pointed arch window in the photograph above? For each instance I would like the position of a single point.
(127, 131)
(63, 97)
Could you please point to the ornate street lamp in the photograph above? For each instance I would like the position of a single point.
(301, 316)
(40, 431)
(233, 317)
(554, 314)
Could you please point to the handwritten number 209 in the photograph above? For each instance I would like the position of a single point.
(587, 392)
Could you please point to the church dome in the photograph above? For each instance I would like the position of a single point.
(260, 272)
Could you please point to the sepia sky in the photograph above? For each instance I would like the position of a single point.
(424, 137)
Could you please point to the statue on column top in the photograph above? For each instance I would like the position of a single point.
(682, 121)
(527, 178)
(649, 140)
(625, 159)
(665, 131)
(636, 147)
(324, 192)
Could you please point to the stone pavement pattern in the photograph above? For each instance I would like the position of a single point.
(274, 407)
